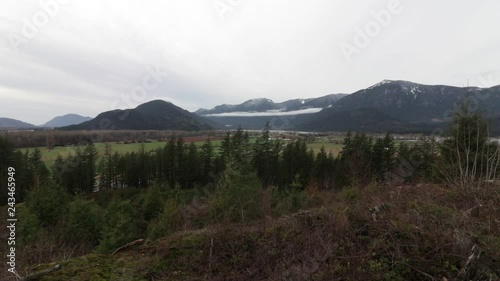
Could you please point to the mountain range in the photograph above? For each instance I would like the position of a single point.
(396, 106)
(65, 120)
(153, 115)
(8, 123)
(266, 105)
(405, 106)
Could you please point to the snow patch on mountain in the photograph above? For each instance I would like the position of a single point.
(380, 84)
(267, 113)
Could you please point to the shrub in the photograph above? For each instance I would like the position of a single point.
(48, 203)
(122, 225)
(349, 193)
(237, 197)
(170, 220)
(84, 222)
(29, 225)
(285, 201)
(153, 204)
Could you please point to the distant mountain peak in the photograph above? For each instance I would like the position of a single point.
(9, 123)
(152, 115)
(154, 102)
(257, 101)
(66, 120)
(392, 82)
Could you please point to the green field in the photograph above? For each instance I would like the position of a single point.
(50, 155)
(329, 147)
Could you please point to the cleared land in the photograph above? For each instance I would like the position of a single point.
(50, 155)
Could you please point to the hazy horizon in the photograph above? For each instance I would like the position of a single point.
(61, 57)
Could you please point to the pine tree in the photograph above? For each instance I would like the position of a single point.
(89, 167)
(170, 160)
(469, 159)
(383, 155)
(207, 162)
(192, 166)
(323, 168)
(6, 161)
(39, 171)
(264, 151)
(354, 165)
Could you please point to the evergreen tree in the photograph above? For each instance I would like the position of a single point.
(354, 165)
(142, 167)
(89, 167)
(192, 166)
(181, 163)
(122, 224)
(225, 148)
(207, 162)
(6, 161)
(107, 169)
(170, 162)
(469, 159)
(265, 151)
(383, 155)
(323, 168)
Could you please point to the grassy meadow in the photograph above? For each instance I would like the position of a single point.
(50, 155)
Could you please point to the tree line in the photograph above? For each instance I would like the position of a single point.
(276, 163)
(466, 154)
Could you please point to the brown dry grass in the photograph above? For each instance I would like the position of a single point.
(426, 234)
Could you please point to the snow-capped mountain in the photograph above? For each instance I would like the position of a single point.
(269, 107)
(401, 106)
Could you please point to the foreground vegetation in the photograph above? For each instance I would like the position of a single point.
(267, 210)
(429, 230)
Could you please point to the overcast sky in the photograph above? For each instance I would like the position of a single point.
(89, 56)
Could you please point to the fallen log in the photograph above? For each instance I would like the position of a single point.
(128, 245)
(40, 274)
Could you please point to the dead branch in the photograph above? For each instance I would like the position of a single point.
(128, 245)
(470, 268)
(40, 274)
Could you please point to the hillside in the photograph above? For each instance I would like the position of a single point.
(8, 123)
(265, 209)
(265, 105)
(414, 107)
(153, 115)
(426, 234)
(254, 114)
(66, 120)
(363, 119)
(397, 106)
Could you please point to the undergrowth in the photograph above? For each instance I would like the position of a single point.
(426, 232)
